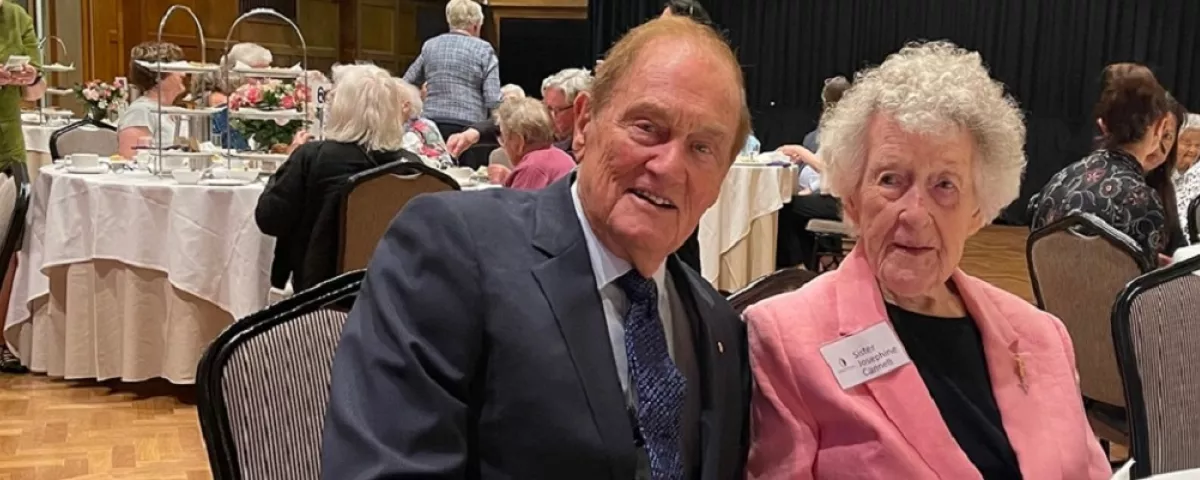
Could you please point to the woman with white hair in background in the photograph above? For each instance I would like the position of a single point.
(898, 364)
(527, 136)
(1187, 179)
(460, 71)
(297, 206)
(511, 91)
(421, 135)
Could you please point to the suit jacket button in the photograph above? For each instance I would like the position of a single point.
(720, 347)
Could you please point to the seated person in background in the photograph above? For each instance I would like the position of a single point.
(964, 379)
(797, 245)
(1114, 182)
(558, 93)
(1186, 178)
(252, 55)
(140, 119)
(511, 91)
(421, 135)
(300, 204)
(527, 135)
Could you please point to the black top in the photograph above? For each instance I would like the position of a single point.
(1111, 185)
(300, 206)
(948, 353)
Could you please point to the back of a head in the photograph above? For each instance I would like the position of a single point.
(463, 14)
(527, 118)
(142, 77)
(622, 59)
(1131, 103)
(834, 89)
(366, 108)
(690, 9)
(251, 54)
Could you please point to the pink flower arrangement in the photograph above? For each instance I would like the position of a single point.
(102, 99)
(268, 94)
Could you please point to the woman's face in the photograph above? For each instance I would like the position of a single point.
(1189, 148)
(915, 205)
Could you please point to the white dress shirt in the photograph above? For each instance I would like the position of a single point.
(607, 268)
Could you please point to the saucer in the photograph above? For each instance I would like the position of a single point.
(88, 170)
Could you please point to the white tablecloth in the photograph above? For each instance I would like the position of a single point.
(87, 232)
(751, 194)
(37, 147)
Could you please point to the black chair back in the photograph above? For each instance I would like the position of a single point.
(1193, 232)
(778, 282)
(372, 200)
(477, 156)
(14, 232)
(1155, 330)
(71, 129)
(263, 384)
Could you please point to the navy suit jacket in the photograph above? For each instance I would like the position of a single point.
(478, 348)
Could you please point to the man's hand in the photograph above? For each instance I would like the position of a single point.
(6, 77)
(25, 76)
(497, 174)
(460, 142)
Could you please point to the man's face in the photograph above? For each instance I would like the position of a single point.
(653, 159)
(561, 112)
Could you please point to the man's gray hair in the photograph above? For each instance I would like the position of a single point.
(463, 14)
(927, 88)
(571, 81)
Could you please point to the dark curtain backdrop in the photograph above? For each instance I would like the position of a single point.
(1049, 54)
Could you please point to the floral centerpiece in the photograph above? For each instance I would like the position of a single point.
(268, 95)
(103, 100)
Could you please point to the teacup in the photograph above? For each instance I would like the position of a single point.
(186, 177)
(84, 160)
(244, 175)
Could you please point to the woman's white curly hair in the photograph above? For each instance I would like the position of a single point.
(928, 88)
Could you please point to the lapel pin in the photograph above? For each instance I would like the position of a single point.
(1021, 373)
(720, 347)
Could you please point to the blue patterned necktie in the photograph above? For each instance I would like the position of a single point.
(659, 384)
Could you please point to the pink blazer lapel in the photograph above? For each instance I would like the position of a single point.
(1015, 384)
(901, 394)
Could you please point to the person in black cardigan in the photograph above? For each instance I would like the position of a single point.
(300, 205)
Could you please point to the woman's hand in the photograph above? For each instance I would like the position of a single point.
(301, 138)
(1164, 260)
(24, 77)
(796, 153)
(497, 174)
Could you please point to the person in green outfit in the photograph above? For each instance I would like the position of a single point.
(24, 83)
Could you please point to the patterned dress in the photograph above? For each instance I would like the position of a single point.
(1187, 188)
(1109, 184)
(421, 136)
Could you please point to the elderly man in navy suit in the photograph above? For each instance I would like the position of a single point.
(551, 334)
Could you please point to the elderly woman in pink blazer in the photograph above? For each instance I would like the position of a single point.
(898, 365)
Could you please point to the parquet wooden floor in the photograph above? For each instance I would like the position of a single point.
(53, 429)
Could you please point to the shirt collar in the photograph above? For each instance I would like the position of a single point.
(606, 266)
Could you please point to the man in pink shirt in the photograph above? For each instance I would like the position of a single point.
(527, 136)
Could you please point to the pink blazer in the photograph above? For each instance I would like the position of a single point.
(806, 427)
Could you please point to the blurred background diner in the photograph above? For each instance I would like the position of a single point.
(160, 188)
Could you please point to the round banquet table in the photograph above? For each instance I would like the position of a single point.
(37, 146)
(131, 276)
(737, 234)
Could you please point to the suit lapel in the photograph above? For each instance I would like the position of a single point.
(713, 362)
(1015, 384)
(567, 281)
(901, 394)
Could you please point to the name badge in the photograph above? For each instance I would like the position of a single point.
(865, 356)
